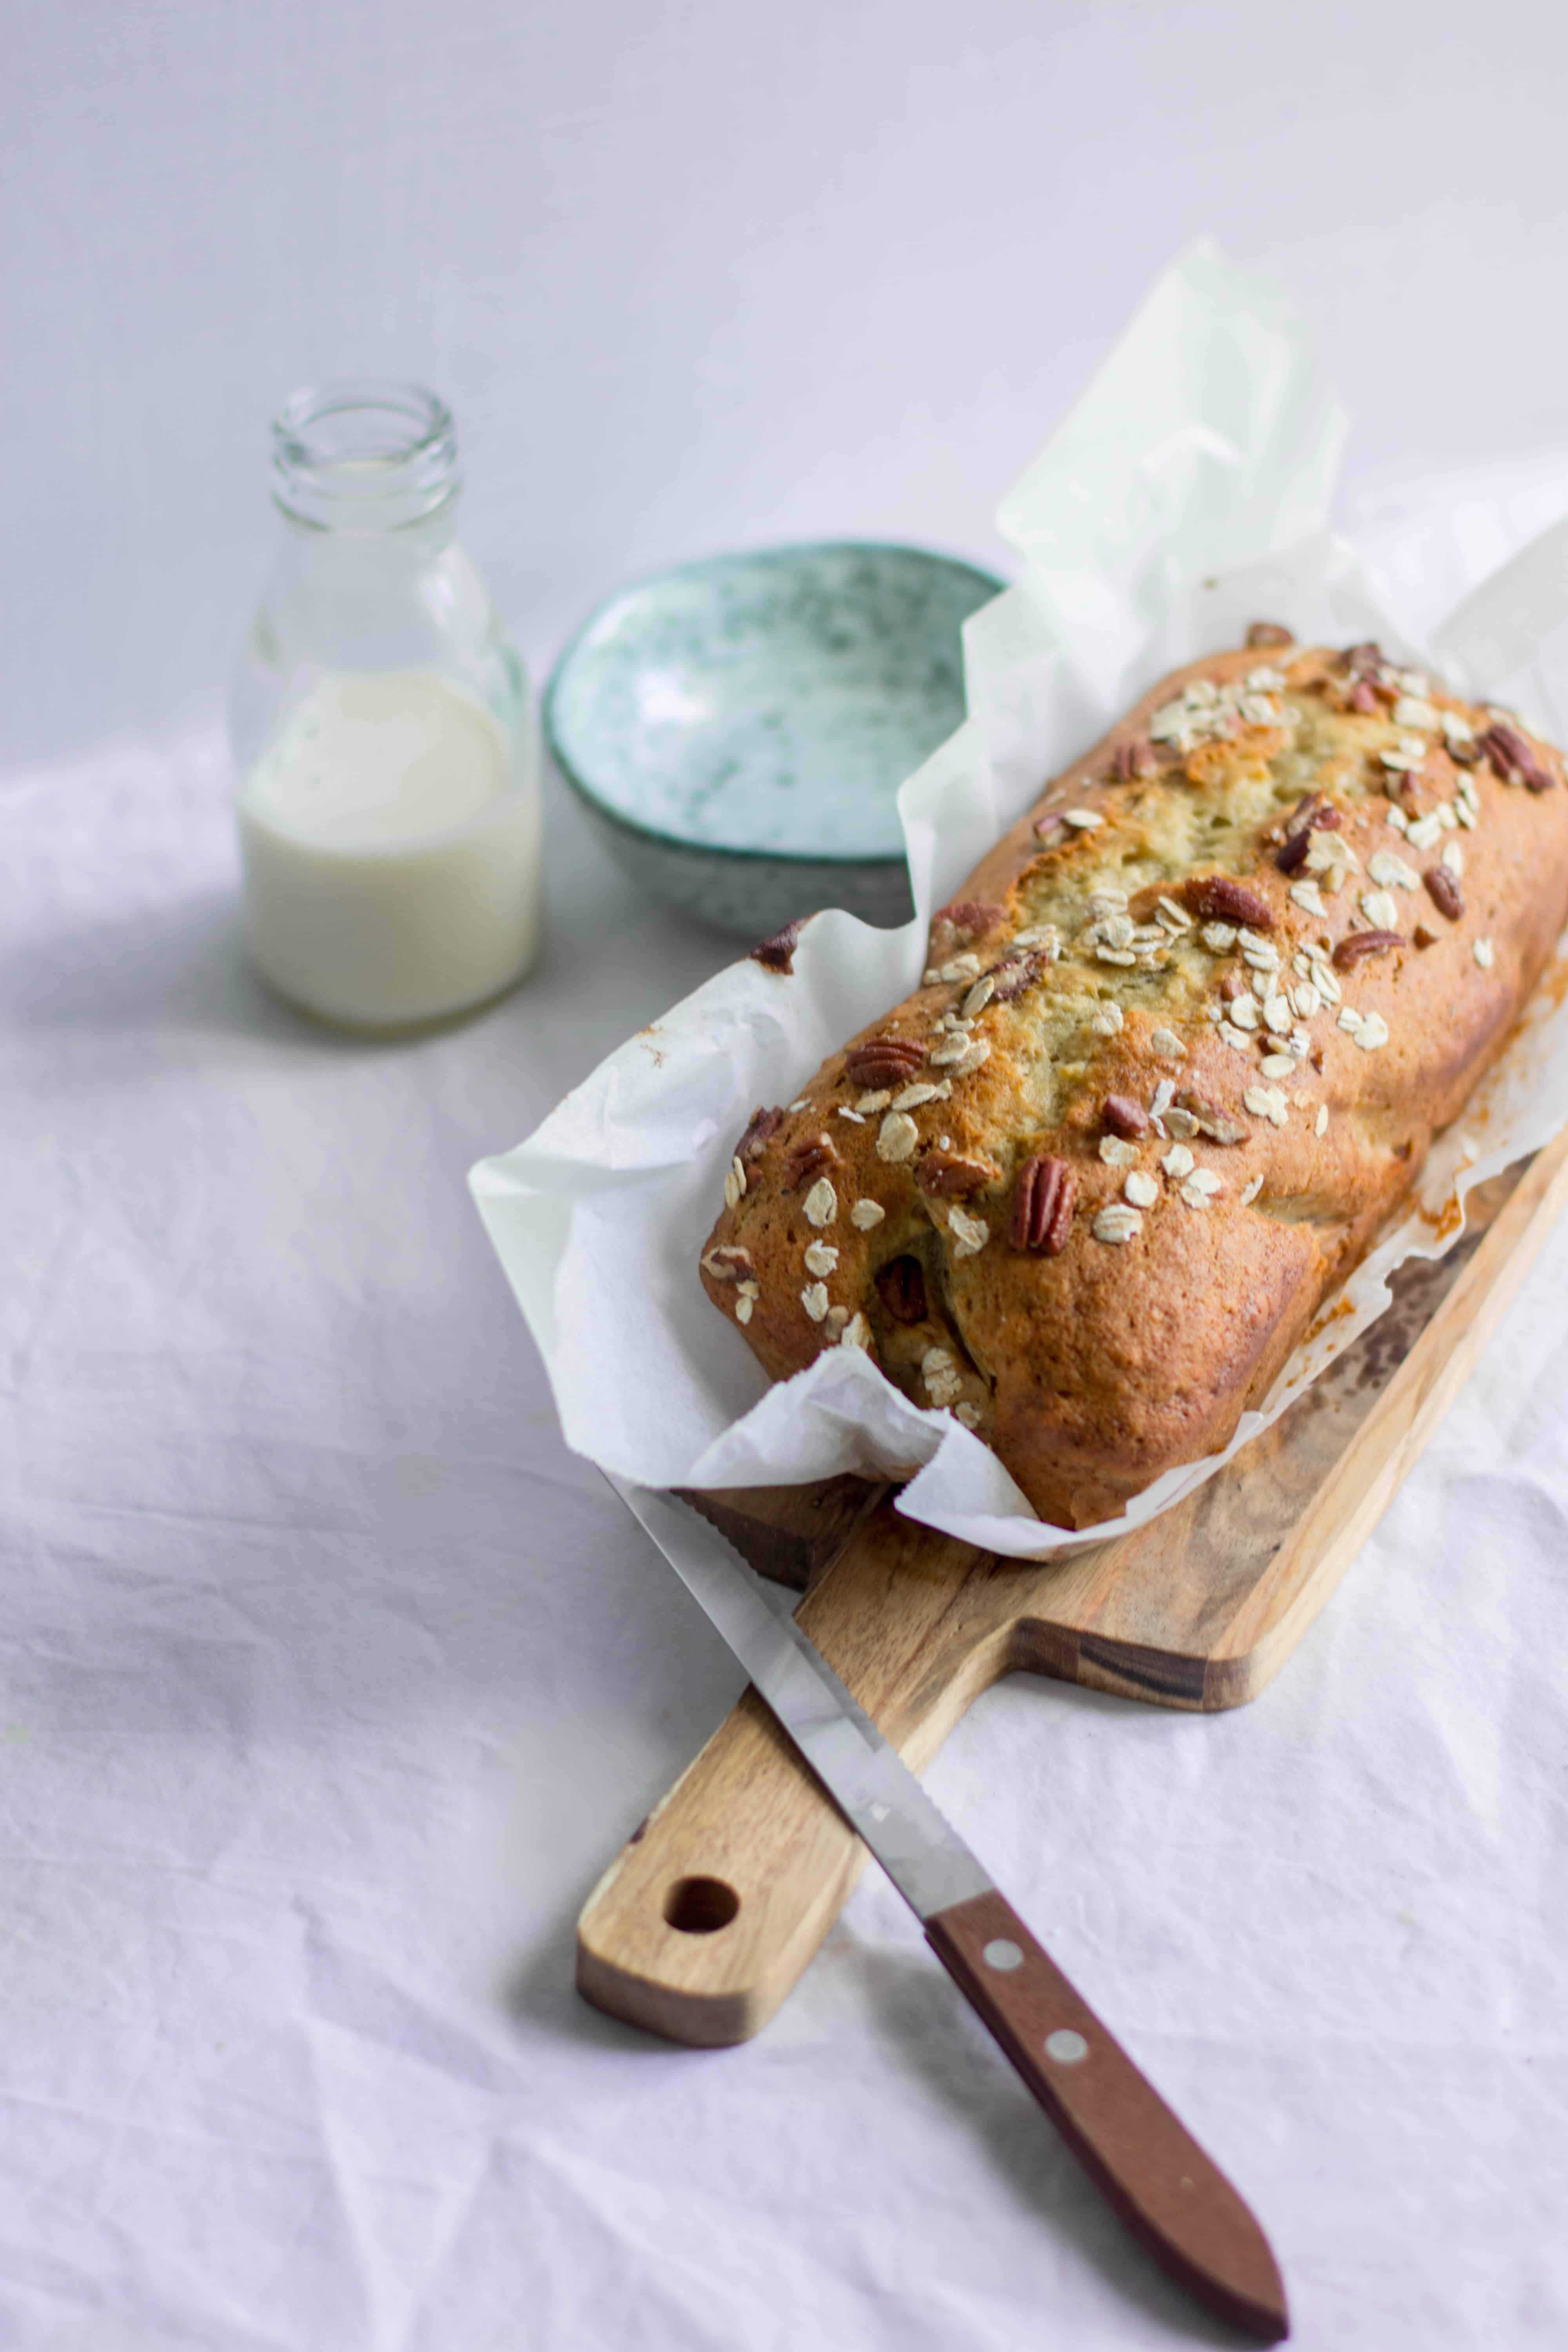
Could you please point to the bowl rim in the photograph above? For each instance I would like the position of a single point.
(681, 841)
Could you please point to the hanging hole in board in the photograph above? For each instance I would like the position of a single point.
(699, 1906)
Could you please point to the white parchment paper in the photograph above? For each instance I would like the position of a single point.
(1186, 495)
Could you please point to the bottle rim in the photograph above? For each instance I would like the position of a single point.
(372, 452)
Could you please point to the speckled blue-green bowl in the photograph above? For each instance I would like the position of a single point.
(737, 730)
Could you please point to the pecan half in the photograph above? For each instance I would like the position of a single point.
(1310, 811)
(1362, 696)
(1123, 1116)
(763, 1124)
(951, 1178)
(1220, 900)
(1043, 1200)
(1015, 973)
(901, 1287)
(1359, 659)
(964, 919)
(729, 1262)
(1269, 633)
(1510, 755)
(883, 1061)
(813, 1153)
(1443, 890)
(1134, 759)
(1356, 945)
(777, 953)
(1210, 1120)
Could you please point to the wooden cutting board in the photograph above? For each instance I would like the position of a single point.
(707, 1916)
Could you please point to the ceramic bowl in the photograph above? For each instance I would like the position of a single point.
(737, 729)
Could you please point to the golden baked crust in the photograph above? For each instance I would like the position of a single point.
(1080, 1198)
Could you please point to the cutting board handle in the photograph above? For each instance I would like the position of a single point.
(709, 1911)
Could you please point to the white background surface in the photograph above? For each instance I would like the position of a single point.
(327, 1682)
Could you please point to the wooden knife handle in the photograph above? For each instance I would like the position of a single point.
(1172, 2197)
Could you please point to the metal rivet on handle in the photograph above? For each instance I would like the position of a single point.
(1066, 2046)
(1003, 1954)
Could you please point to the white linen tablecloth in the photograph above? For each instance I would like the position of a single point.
(331, 1681)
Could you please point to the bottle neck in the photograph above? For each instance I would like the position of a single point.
(356, 557)
(368, 575)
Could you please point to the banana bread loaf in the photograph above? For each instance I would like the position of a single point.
(1180, 1046)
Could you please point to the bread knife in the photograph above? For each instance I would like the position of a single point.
(1174, 2199)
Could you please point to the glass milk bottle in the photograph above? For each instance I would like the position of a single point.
(384, 735)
